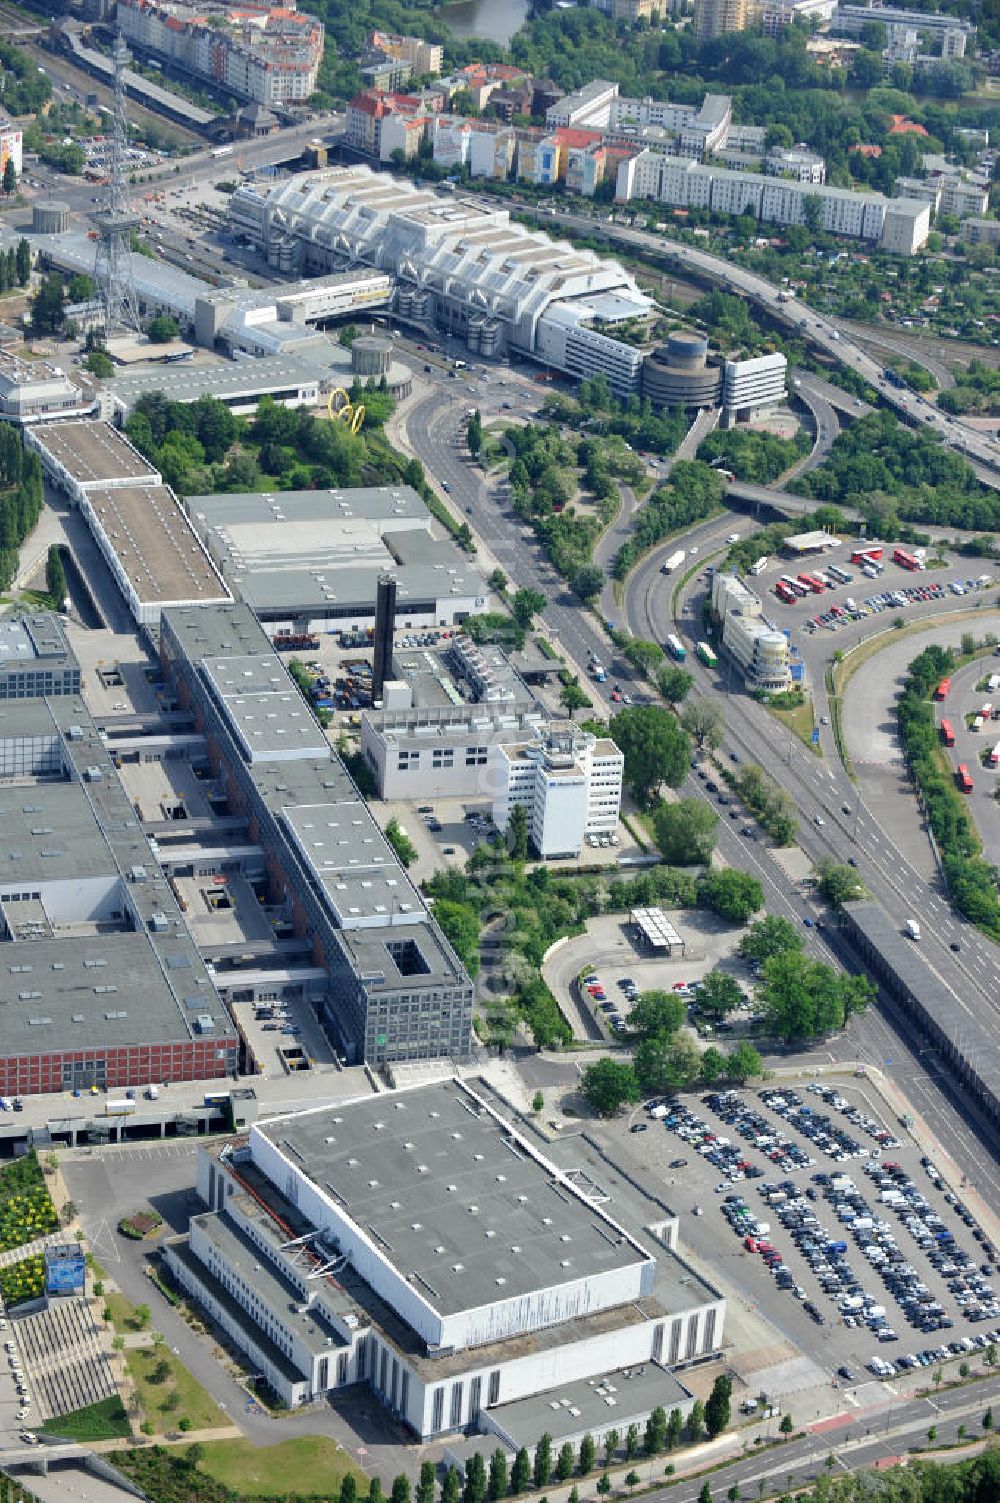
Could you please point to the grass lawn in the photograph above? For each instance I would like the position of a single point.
(313, 1461)
(123, 1316)
(104, 1421)
(157, 1398)
(800, 722)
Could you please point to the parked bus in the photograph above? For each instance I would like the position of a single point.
(905, 560)
(760, 565)
(812, 583)
(963, 779)
(995, 756)
(706, 655)
(786, 593)
(943, 689)
(676, 648)
(947, 733)
(861, 553)
(841, 575)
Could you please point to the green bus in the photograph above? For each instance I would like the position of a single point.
(706, 655)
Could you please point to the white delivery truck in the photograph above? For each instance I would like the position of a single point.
(673, 562)
(913, 930)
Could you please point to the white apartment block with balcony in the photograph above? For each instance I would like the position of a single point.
(587, 108)
(758, 649)
(568, 780)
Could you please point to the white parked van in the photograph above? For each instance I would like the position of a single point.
(913, 930)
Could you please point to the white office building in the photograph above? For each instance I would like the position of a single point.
(423, 1244)
(568, 780)
(748, 386)
(760, 651)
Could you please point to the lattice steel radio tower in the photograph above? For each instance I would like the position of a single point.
(114, 220)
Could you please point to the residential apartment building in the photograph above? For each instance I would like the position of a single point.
(423, 57)
(589, 106)
(568, 780)
(11, 143)
(981, 231)
(687, 184)
(777, 14)
(758, 649)
(851, 20)
(268, 54)
(714, 18)
(796, 162)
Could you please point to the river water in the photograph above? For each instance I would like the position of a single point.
(493, 20)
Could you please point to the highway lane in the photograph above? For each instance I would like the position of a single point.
(823, 790)
(867, 1437)
(830, 334)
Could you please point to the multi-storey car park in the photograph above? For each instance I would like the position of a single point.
(394, 988)
(422, 1243)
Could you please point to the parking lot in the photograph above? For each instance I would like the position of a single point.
(863, 591)
(805, 1202)
(16, 1409)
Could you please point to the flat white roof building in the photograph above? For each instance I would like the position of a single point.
(459, 262)
(759, 650)
(568, 780)
(750, 385)
(422, 1243)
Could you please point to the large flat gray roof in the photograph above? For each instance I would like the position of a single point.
(49, 834)
(27, 639)
(591, 1405)
(93, 452)
(347, 854)
(451, 1196)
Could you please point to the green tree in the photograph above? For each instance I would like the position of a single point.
(572, 697)
(607, 1085)
(734, 895)
(663, 1065)
(162, 329)
(100, 364)
(451, 1486)
(517, 833)
(498, 581)
(520, 1472)
(744, 1062)
(675, 1429)
(426, 1486)
(375, 1494)
(787, 1424)
(685, 831)
(713, 1065)
(705, 1495)
(655, 748)
(142, 1316)
(537, 1102)
(611, 1439)
(771, 935)
(988, 1418)
(23, 262)
(499, 1479)
(565, 1462)
(696, 1421)
(400, 842)
(526, 605)
(80, 288)
(804, 999)
(474, 433)
(542, 1464)
(474, 1490)
(55, 575)
(401, 1489)
(588, 1454)
(655, 1438)
(462, 929)
(587, 582)
(9, 176)
(704, 722)
(645, 657)
(718, 1407)
(720, 993)
(632, 1479)
(48, 306)
(812, 204)
(656, 1014)
(674, 683)
(838, 884)
(604, 1484)
(631, 1442)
